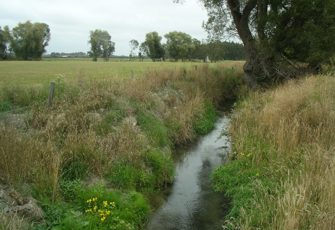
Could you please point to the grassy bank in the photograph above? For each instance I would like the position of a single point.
(95, 157)
(283, 168)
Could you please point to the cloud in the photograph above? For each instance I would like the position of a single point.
(71, 21)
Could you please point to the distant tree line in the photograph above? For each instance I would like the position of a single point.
(178, 46)
(26, 41)
(181, 46)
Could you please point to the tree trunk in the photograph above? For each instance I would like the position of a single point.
(258, 67)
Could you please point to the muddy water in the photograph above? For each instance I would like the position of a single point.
(192, 204)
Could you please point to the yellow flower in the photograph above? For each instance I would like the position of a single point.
(105, 203)
(89, 210)
(89, 201)
(103, 219)
(95, 208)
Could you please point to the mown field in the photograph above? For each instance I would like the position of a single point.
(98, 157)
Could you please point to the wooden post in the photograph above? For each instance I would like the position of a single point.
(51, 93)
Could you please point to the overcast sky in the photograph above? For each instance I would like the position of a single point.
(71, 20)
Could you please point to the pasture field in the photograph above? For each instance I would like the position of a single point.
(41, 72)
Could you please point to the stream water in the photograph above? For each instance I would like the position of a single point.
(192, 203)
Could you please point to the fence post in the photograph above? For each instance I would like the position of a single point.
(51, 93)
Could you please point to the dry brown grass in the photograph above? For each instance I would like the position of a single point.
(27, 160)
(65, 141)
(12, 222)
(290, 132)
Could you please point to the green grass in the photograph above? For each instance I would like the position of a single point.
(31, 73)
(154, 129)
(204, 123)
(128, 210)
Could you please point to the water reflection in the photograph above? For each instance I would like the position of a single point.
(192, 203)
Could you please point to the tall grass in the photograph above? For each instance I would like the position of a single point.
(13, 223)
(284, 168)
(120, 131)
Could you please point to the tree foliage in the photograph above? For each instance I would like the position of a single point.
(179, 45)
(305, 31)
(274, 31)
(3, 44)
(152, 46)
(28, 40)
(101, 45)
(217, 50)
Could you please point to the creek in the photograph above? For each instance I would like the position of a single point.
(192, 203)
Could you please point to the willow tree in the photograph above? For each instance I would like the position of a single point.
(275, 32)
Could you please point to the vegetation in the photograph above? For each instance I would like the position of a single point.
(276, 33)
(282, 175)
(104, 144)
(101, 45)
(96, 156)
(179, 45)
(217, 50)
(4, 40)
(39, 74)
(27, 41)
(152, 46)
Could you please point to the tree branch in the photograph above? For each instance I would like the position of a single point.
(251, 4)
(234, 6)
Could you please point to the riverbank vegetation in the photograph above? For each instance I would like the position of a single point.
(283, 167)
(102, 151)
